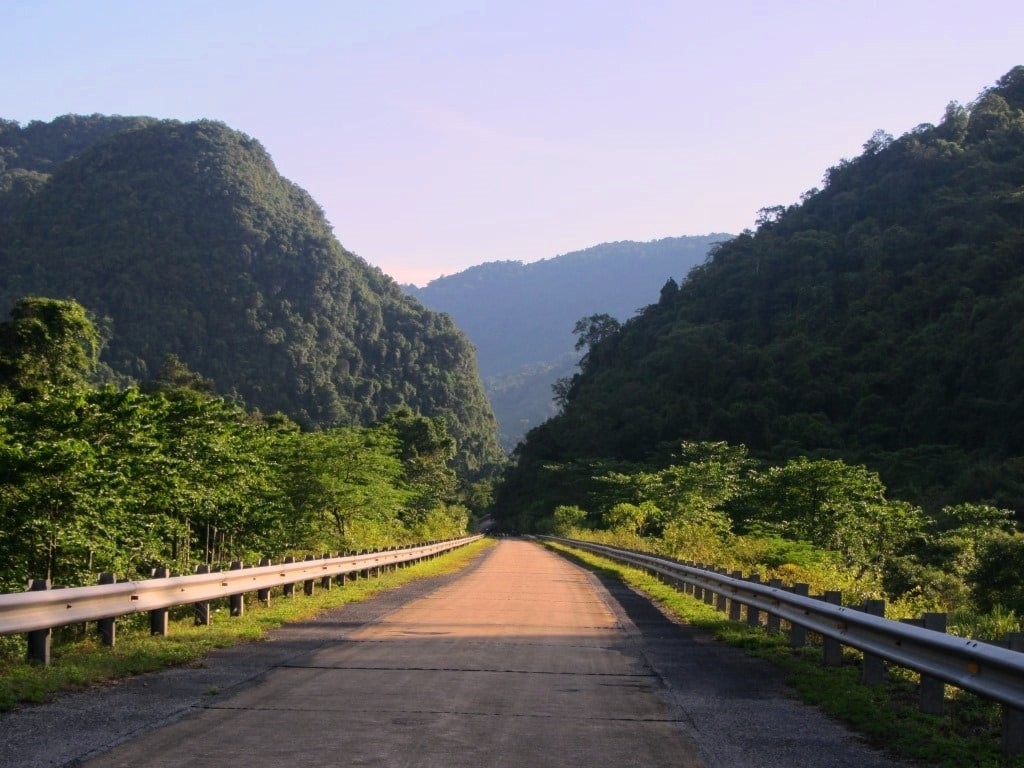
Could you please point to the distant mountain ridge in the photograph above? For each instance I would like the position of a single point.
(520, 316)
(182, 238)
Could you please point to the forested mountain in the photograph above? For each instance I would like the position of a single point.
(521, 316)
(879, 322)
(182, 239)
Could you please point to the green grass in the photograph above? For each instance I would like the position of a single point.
(84, 661)
(967, 735)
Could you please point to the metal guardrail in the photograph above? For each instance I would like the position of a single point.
(40, 610)
(972, 665)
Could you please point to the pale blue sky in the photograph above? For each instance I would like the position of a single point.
(441, 134)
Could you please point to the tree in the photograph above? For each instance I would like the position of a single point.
(346, 485)
(594, 329)
(567, 519)
(46, 344)
(635, 519)
(998, 579)
(175, 374)
(694, 488)
(879, 141)
(834, 505)
(426, 450)
(669, 291)
(562, 389)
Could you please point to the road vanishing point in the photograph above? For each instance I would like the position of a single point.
(522, 659)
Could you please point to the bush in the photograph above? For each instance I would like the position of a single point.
(998, 579)
(567, 519)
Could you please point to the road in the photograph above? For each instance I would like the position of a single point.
(524, 660)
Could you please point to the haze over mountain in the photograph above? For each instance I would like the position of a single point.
(879, 321)
(182, 238)
(521, 316)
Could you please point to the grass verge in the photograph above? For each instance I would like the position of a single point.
(967, 735)
(85, 661)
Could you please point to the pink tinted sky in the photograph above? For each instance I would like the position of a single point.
(441, 135)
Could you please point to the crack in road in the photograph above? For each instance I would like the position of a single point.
(456, 712)
(344, 668)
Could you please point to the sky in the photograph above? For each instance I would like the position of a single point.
(438, 135)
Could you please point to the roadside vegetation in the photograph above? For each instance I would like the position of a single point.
(822, 522)
(967, 734)
(97, 477)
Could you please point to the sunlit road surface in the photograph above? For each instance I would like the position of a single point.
(521, 662)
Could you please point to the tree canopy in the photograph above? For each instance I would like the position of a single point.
(95, 478)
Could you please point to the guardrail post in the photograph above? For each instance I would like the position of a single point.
(735, 606)
(774, 622)
(158, 616)
(289, 588)
(307, 585)
(365, 573)
(754, 614)
(325, 581)
(1013, 719)
(202, 609)
(353, 575)
(722, 602)
(709, 592)
(698, 589)
(873, 670)
(933, 690)
(798, 633)
(237, 602)
(108, 626)
(39, 639)
(263, 595)
(833, 649)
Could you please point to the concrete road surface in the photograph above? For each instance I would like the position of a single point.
(522, 662)
(525, 659)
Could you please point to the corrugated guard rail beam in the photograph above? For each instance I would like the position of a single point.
(972, 665)
(48, 608)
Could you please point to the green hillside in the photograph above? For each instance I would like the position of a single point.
(182, 238)
(878, 322)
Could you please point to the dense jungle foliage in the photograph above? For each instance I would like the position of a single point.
(182, 239)
(820, 521)
(866, 346)
(877, 322)
(97, 478)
